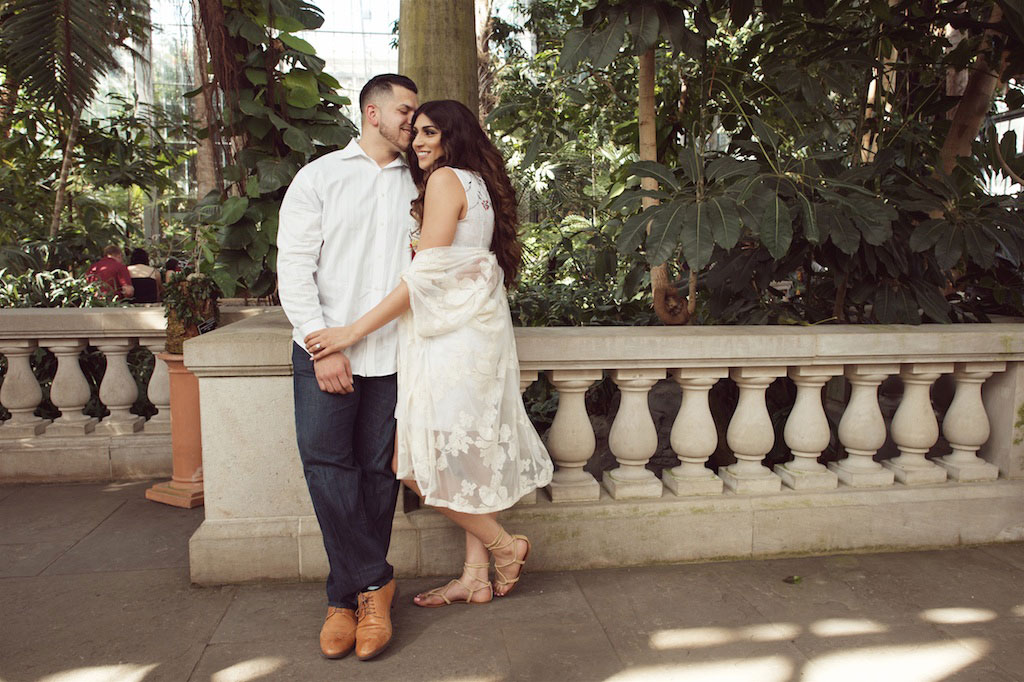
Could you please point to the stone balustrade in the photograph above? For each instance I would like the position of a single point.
(260, 525)
(76, 446)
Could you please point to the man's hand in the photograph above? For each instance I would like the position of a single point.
(334, 373)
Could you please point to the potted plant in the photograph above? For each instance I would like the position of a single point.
(190, 304)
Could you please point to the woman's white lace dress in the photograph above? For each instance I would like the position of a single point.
(463, 433)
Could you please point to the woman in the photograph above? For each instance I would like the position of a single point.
(145, 278)
(464, 441)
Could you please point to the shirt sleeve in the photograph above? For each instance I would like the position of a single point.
(299, 240)
(124, 278)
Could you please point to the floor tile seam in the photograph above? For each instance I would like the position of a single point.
(984, 549)
(213, 630)
(597, 619)
(81, 539)
(985, 658)
(106, 573)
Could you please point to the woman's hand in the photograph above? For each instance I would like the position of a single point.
(329, 340)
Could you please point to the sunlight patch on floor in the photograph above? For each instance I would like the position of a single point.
(958, 615)
(253, 669)
(911, 663)
(767, 669)
(692, 638)
(844, 627)
(125, 672)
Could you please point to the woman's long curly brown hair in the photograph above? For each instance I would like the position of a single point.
(466, 145)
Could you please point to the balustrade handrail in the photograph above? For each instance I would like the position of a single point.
(59, 323)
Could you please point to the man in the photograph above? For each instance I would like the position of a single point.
(111, 273)
(343, 241)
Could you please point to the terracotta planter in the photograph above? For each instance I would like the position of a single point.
(185, 489)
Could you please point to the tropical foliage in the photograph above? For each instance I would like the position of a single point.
(280, 110)
(772, 169)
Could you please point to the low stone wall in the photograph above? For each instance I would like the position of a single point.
(965, 487)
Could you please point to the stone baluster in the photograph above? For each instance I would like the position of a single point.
(70, 390)
(159, 389)
(20, 393)
(571, 440)
(914, 427)
(694, 435)
(966, 424)
(862, 429)
(807, 433)
(118, 389)
(527, 377)
(750, 435)
(633, 438)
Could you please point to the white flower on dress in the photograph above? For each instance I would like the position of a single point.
(468, 487)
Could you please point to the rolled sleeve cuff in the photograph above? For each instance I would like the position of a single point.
(312, 326)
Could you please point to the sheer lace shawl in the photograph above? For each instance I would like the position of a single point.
(463, 433)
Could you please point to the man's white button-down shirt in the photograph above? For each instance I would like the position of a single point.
(342, 242)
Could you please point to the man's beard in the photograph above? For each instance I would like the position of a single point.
(394, 136)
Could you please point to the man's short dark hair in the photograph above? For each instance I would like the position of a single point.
(382, 83)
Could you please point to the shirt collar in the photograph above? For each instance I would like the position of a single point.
(352, 150)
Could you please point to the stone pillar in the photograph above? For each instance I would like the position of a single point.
(70, 390)
(527, 377)
(807, 433)
(966, 425)
(1003, 395)
(118, 390)
(20, 393)
(159, 390)
(862, 429)
(571, 440)
(750, 435)
(914, 427)
(633, 438)
(694, 436)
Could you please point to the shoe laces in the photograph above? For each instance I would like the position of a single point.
(367, 605)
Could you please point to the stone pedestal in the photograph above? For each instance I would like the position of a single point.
(185, 489)
(633, 438)
(750, 434)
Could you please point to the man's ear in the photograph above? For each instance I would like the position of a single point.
(372, 115)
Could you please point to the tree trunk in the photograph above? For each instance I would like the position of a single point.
(65, 169)
(670, 308)
(208, 176)
(974, 105)
(485, 70)
(437, 48)
(8, 100)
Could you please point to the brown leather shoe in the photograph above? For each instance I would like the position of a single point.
(338, 635)
(373, 633)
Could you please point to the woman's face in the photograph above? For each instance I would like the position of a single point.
(426, 142)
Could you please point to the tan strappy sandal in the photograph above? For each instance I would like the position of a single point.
(500, 579)
(442, 591)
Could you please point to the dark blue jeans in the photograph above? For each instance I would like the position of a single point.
(346, 442)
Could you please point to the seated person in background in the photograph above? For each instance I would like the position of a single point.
(145, 278)
(170, 267)
(112, 274)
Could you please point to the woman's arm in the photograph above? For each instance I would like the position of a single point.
(443, 204)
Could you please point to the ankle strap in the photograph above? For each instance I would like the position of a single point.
(487, 565)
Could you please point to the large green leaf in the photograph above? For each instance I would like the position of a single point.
(931, 301)
(634, 229)
(274, 174)
(653, 169)
(298, 140)
(726, 225)
(684, 41)
(605, 46)
(810, 220)
(981, 247)
(664, 235)
(949, 248)
(237, 236)
(643, 26)
(839, 228)
(301, 87)
(927, 233)
(232, 210)
(574, 47)
(896, 304)
(691, 162)
(697, 237)
(776, 228)
(296, 43)
(726, 167)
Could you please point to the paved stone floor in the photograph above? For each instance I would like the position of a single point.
(94, 588)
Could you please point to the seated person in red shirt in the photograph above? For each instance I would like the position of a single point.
(111, 272)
